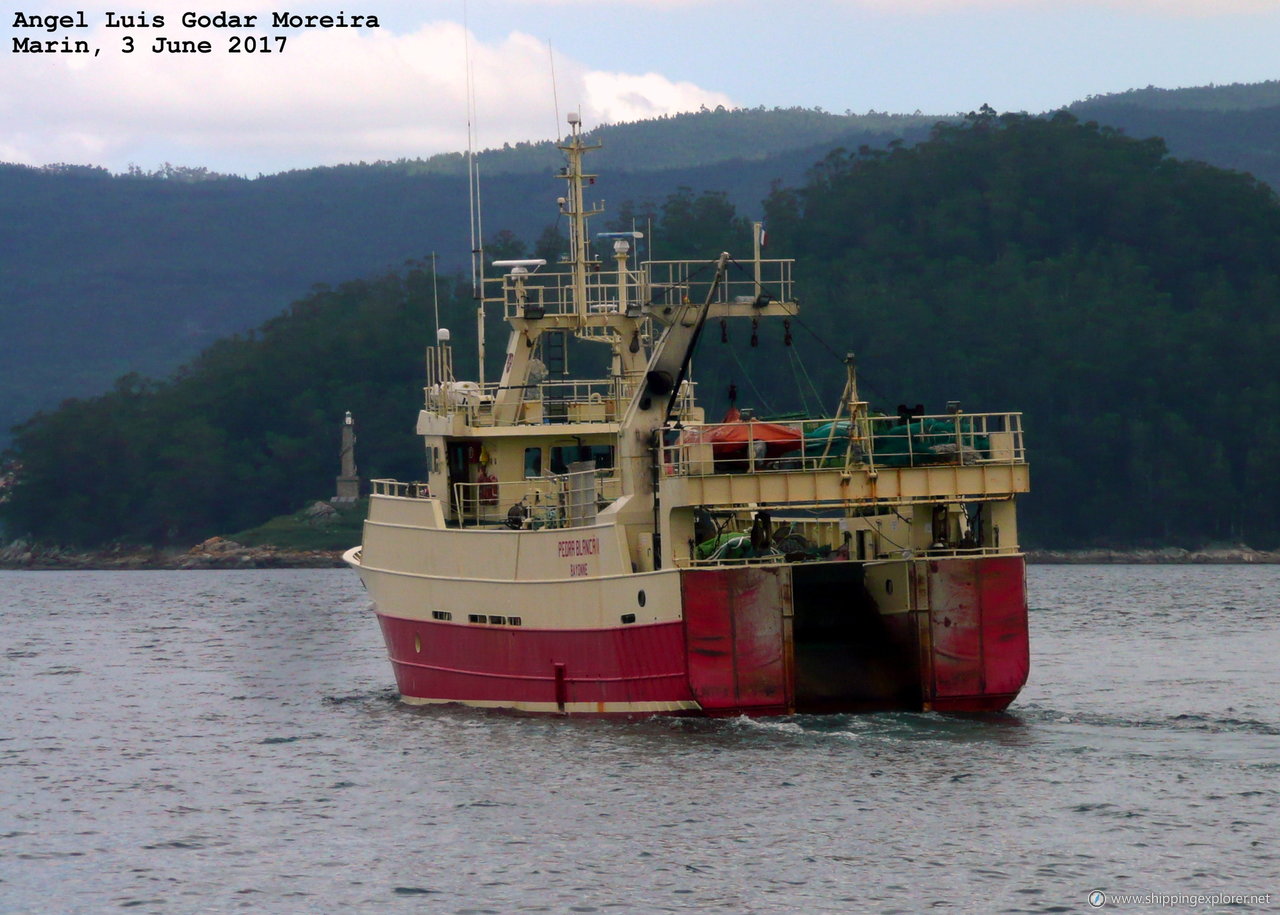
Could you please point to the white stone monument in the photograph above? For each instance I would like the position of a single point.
(349, 479)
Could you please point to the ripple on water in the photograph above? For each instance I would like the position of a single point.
(231, 740)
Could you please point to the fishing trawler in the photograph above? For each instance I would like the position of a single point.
(594, 546)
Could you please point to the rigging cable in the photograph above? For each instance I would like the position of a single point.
(733, 351)
(805, 373)
(863, 379)
(798, 369)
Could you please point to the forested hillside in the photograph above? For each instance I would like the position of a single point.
(1236, 126)
(1125, 301)
(1231, 97)
(105, 274)
(691, 139)
(248, 430)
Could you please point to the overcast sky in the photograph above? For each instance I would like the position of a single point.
(399, 90)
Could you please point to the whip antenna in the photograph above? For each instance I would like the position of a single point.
(435, 292)
(473, 197)
(555, 96)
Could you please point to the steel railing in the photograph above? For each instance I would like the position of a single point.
(558, 501)
(864, 443)
(551, 402)
(652, 283)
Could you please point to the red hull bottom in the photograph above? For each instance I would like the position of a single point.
(973, 703)
(753, 640)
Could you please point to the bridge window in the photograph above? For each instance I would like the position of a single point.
(532, 462)
(563, 456)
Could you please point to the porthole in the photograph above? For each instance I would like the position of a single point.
(640, 598)
(888, 586)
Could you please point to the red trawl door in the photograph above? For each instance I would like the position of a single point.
(738, 638)
(978, 633)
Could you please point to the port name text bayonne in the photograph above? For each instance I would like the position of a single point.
(223, 20)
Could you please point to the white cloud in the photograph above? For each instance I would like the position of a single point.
(331, 96)
(616, 97)
(344, 95)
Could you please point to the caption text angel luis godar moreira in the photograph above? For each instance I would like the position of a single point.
(246, 33)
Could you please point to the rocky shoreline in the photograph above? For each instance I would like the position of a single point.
(220, 553)
(214, 553)
(1215, 555)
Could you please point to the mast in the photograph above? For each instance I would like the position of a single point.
(473, 200)
(575, 208)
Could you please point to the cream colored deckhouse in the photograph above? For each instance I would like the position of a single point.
(594, 546)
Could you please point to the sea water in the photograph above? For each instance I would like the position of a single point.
(231, 741)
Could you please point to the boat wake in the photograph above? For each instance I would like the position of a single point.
(384, 696)
(1186, 722)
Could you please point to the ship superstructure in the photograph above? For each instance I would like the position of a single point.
(595, 546)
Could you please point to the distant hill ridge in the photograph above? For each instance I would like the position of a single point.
(101, 275)
(1235, 126)
(106, 274)
(1123, 300)
(678, 141)
(688, 140)
(1233, 97)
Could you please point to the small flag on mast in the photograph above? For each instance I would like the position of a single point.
(763, 235)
